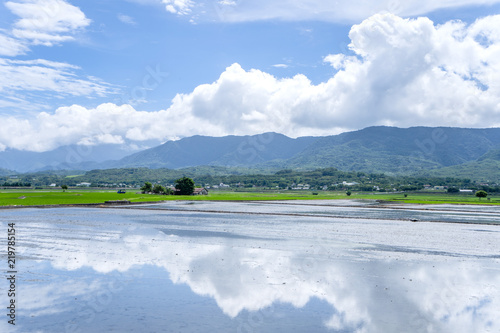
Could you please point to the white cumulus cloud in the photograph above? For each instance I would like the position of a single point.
(402, 72)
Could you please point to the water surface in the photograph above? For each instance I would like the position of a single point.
(256, 267)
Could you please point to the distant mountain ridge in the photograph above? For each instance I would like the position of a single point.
(380, 149)
(229, 151)
(398, 150)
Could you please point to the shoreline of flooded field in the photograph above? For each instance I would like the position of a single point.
(340, 209)
(369, 209)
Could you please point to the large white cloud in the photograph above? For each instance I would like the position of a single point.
(401, 72)
(46, 22)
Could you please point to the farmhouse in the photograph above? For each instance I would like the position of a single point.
(200, 191)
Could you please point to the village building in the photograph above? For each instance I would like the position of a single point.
(200, 191)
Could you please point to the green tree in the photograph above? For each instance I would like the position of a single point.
(185, 186)
(348, 193)
(481, 194)
(158, 189)
(283, 185)
(64, 187)
(148, 187)
(168, 191)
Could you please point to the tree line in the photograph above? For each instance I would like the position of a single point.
(332, 178)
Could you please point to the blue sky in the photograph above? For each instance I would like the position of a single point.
(142, 71)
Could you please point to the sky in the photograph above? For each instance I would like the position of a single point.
(139, 72)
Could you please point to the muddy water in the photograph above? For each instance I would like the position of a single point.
(255, 267)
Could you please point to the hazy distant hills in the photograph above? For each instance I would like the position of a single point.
(74, 157)
(458, 152)
(5, 172)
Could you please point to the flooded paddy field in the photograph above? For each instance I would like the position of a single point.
(294, 266)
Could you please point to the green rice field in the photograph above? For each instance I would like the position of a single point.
(94, 196)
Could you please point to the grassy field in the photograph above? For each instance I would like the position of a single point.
(48, 197)
(57, 197)
(438, 198)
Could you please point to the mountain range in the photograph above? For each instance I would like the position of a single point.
(441, 151)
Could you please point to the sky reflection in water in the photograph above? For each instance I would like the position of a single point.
(91, 270)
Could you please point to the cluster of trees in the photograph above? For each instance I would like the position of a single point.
(16, 184)
(183, 186)
(156, 189)
(489, 189)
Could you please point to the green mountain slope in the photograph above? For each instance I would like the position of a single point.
(493, 154)
(390, 150)
(245, 151)
(486, 169)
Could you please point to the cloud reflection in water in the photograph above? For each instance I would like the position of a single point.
(361, 289)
